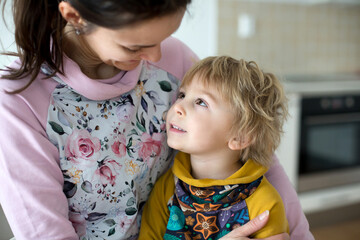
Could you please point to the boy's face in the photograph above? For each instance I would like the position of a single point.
(199, 122)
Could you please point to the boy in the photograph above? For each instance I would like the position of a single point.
(226, 123)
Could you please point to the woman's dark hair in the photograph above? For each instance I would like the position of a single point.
(39, 27)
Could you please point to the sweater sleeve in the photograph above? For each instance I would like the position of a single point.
(156, 214)
(264, 198)
(176, 58)
(31, 182)
(299, 226)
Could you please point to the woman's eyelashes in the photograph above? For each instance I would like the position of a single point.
(132, 50)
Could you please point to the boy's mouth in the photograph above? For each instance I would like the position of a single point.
(177, 128)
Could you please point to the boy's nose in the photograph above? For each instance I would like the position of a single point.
(179, 109)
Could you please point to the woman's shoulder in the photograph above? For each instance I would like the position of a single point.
(35, 97)
(174, 45)
(9, 85)
(176, 58)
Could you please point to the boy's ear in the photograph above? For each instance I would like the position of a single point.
(238, 143)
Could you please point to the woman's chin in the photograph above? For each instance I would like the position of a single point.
(127, 66)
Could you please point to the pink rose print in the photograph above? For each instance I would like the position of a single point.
(119, 146)
(82, 149)
(79, 223)
(124, 223)
(108, 171)
(150, 147)
(124, 112)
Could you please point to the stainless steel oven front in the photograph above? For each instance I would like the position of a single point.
(329, 153)
(320, 148)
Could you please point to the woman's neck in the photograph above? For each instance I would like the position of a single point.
(77, 49)
(214, 167)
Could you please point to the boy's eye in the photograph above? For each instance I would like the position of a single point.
(201, 102)
(181, 95)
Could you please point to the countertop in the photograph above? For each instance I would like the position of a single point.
(322, 83)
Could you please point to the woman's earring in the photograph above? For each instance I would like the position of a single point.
(77, 31)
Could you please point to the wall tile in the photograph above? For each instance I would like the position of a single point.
(294, 38)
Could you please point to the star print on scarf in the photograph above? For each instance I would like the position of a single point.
(207, 212)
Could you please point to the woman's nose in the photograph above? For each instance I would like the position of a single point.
(152, 54)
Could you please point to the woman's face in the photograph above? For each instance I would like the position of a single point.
(126, 47)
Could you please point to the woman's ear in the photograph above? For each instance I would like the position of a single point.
(238, 143)
(70, 14)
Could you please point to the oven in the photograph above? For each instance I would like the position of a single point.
(329, 152)
(320, 147)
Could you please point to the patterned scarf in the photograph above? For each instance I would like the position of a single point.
(207, 212)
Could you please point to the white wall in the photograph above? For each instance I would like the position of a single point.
(7, 41)
(199, 27)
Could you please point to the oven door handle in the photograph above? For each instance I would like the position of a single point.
(332, 118)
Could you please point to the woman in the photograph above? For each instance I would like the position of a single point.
(82, 116)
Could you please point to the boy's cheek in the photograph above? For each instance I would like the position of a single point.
(164, 115)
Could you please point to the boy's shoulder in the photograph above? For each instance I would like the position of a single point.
(268, 189)
(165, 185)
(166, 177)
(266, 197)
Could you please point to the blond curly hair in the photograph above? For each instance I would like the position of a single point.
(257, 99)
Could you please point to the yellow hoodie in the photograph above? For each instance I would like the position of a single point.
(156, 212)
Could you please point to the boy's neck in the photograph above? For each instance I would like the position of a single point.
(214, 167)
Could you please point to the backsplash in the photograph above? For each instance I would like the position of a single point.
(293, 38)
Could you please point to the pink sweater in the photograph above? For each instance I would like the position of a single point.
(78, 157)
